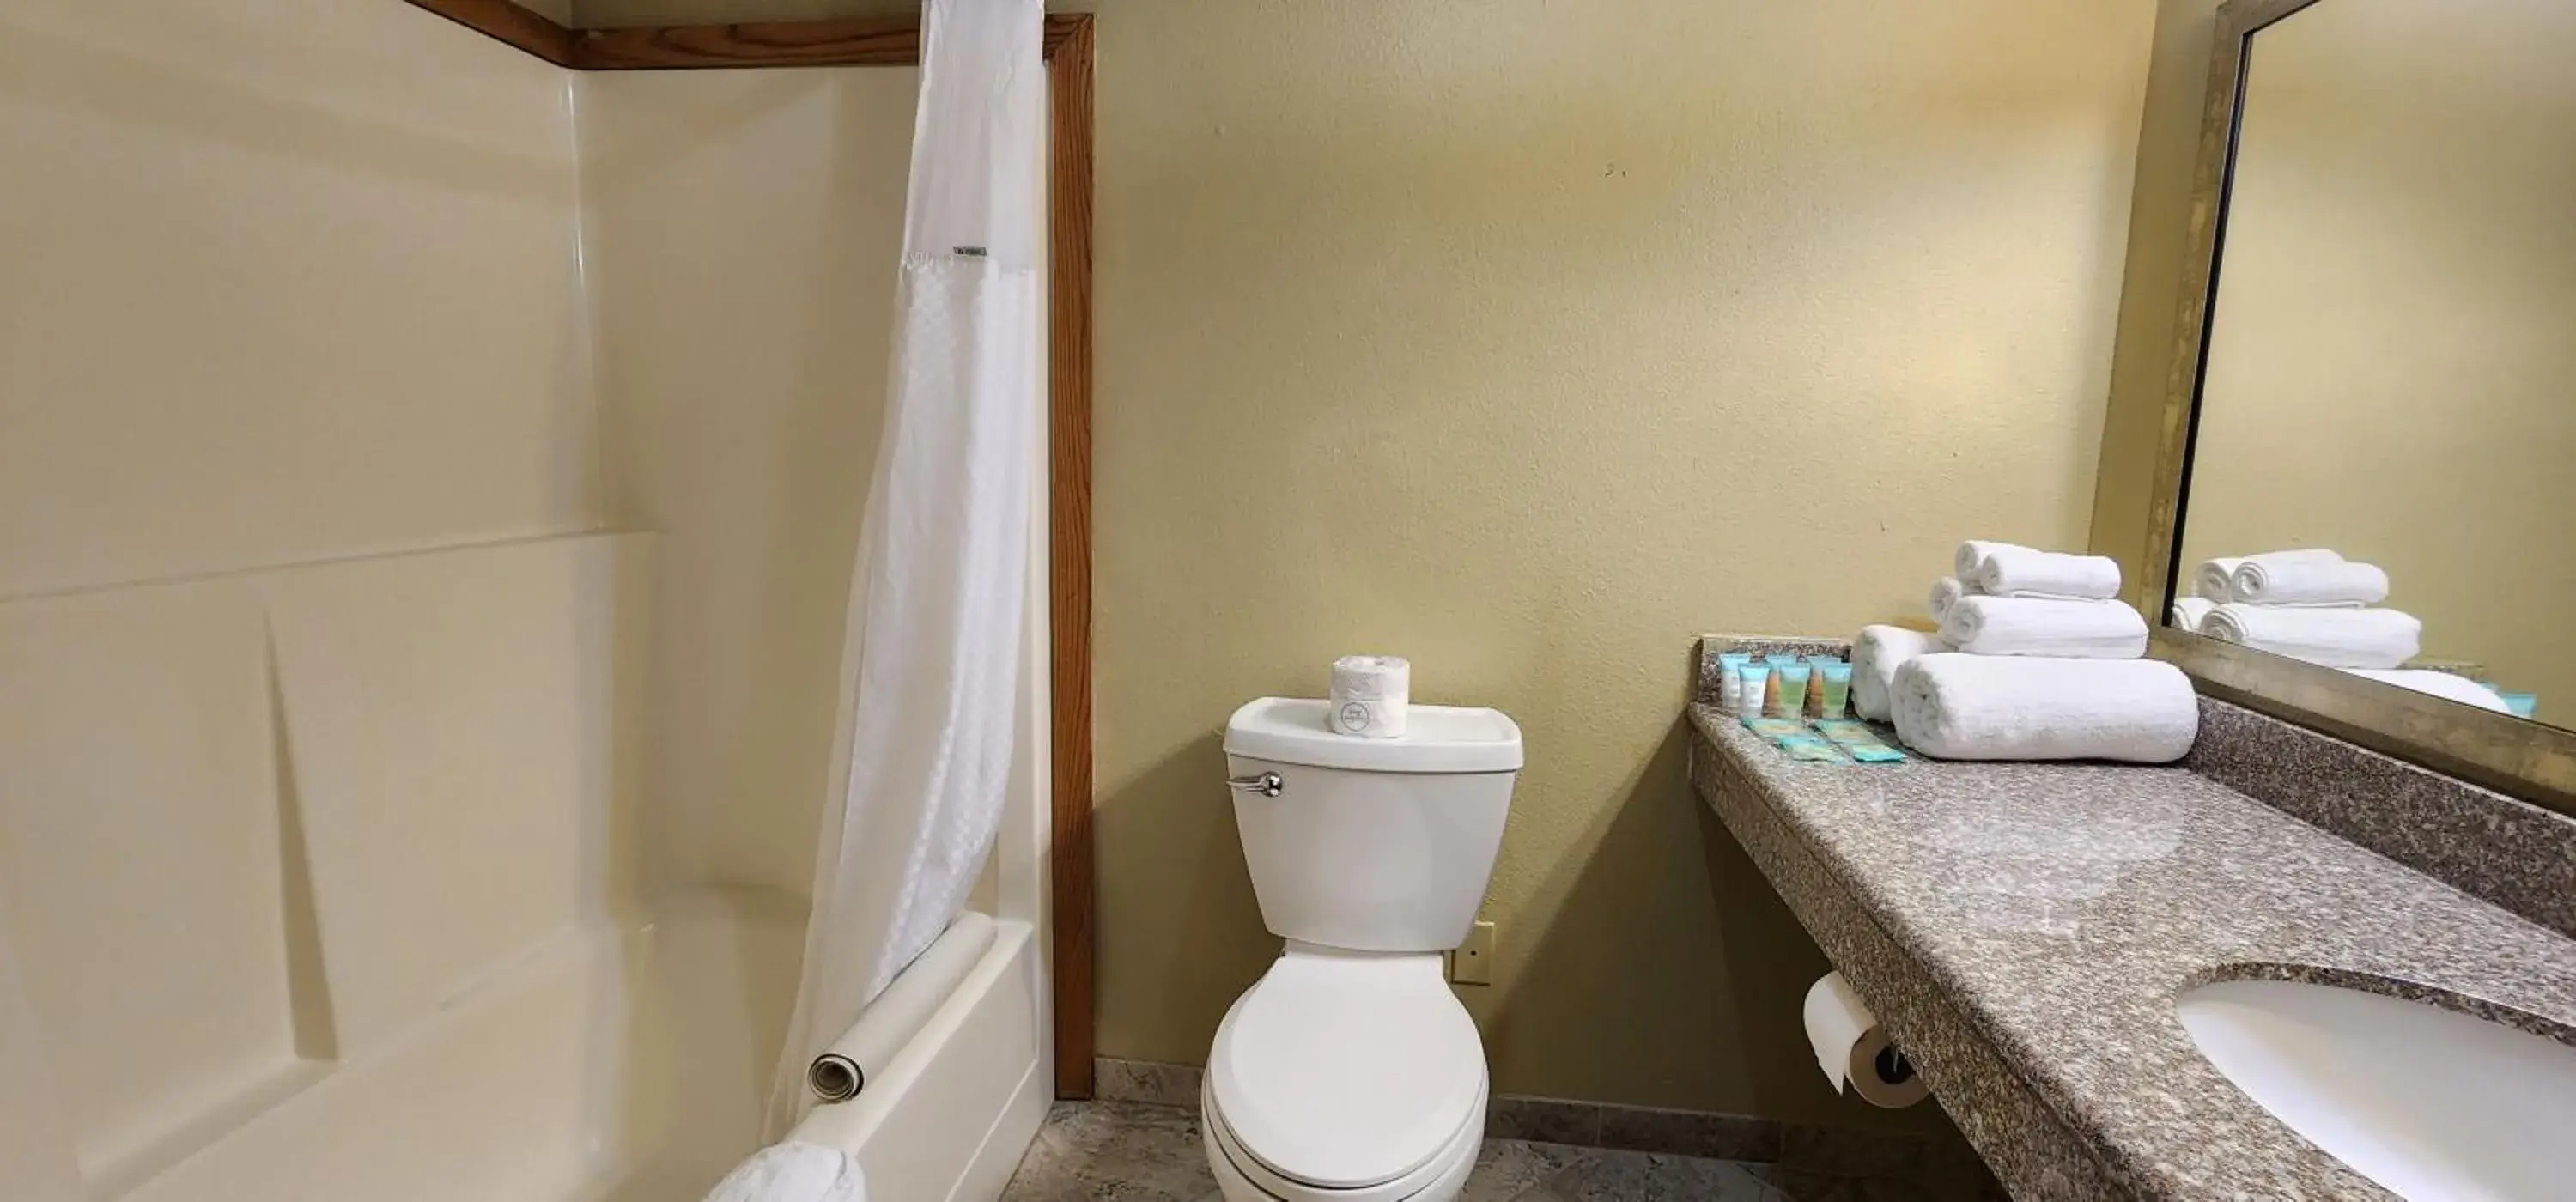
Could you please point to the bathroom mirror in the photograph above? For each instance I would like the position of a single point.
(2377, 374)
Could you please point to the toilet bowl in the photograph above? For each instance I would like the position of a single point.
(1350, 1071)
(1240, 1178)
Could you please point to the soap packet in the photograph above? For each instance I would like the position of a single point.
(1809, 748)
(1859, 742)
(1847, 731)
(1773, 728)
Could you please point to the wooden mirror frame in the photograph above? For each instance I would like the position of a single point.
(896, 41)
(2530, 760)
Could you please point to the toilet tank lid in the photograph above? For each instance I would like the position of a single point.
(1437, 738)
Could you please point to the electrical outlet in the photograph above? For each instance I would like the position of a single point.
(1473, 962)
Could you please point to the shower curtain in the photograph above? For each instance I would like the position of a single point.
(932, 642)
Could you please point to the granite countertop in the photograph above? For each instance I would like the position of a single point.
(2059, 909)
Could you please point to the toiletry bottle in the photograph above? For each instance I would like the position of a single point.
(1834, 689)
(1816, 684)
(1792, 689)
(1754, 678)
(1730, 681)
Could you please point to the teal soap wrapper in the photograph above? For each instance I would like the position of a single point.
(1847, 731)
(1809, 748)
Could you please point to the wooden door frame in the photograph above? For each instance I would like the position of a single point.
(885, 42)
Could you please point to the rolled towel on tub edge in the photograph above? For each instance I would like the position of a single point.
(839, 1072)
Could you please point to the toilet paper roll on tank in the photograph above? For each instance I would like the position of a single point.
(1852, 1049)
(1370, 694)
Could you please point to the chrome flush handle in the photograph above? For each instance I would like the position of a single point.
(1267, 784)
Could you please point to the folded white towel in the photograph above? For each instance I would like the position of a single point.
(1982, 707)
(793, 1172)
(1970, 559)
(2016, 572)
(2260, 581)
(2440, 684)
(2187, 612)
(2216, 578)
(1945, 593)
(2336, 638)
(1875, 657)
(2045, 626)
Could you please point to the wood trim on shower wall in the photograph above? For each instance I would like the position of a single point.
(1069, 191)
(505, 21)
(897, 42)
(857, 42)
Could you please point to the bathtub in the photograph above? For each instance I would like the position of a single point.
(387, 938)
(628, 1063)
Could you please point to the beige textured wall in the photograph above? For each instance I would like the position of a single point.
(742, 233)
(1429, 328)
(286, 281)
(2151, 294)
(2388, 371)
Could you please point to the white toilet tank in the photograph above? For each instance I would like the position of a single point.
(1379, 845)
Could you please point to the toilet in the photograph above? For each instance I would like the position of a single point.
(1349, 1071)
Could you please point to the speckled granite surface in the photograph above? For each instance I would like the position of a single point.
(2022, 931)
(2512, 853)
(1704, 686)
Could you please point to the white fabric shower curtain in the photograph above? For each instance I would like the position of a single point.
(932, 644)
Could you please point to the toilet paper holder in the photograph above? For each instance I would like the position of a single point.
(1893, 1068)
(1267, 784)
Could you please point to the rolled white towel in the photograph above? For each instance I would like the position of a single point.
(1945, 593)
(2262, 581)
(1980, 707)
(1970, 559)
(794, 1172)
(2187, 612)
(2016, 572)
(1876, 655)
(2336, 638)
(2440, 684)
(2216, 578)
(2045, 626)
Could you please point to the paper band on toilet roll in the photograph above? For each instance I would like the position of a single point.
(1370, 695)
(1848, 1044)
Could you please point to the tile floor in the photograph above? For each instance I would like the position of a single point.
(1141, 1152)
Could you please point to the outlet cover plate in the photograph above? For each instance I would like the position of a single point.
(1473, 962)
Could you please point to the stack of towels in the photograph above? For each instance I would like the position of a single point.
(2317, 606)
(2313, 605)
(2036, 659)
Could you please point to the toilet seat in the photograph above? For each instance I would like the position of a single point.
(1243, 1178)
(1346, 1074)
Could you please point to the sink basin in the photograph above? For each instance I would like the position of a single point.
(2429, 1102)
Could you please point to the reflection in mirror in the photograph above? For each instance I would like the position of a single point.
(2383, 466)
